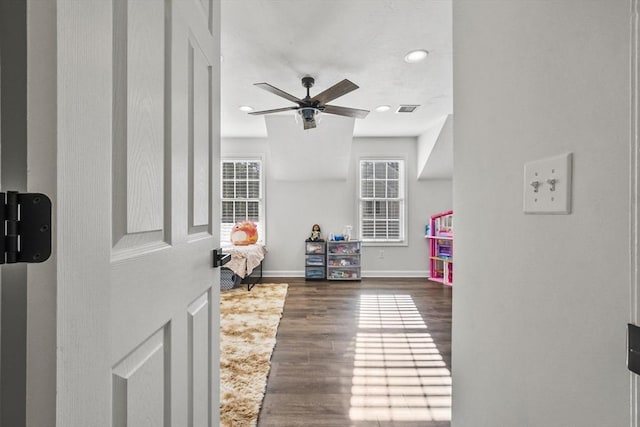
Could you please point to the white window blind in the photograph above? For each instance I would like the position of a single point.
(382, 201)
(241, 196)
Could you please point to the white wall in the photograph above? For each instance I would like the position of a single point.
(292, 207)
(541, 302)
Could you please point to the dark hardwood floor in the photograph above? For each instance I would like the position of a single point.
(369, 353)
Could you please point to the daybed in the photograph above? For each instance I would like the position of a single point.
(245, 266)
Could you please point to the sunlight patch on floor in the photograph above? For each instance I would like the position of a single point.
(399, 375)
(389, 311)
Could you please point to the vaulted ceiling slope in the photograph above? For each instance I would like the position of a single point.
(435, 151)
(322, 153)
(365, 41)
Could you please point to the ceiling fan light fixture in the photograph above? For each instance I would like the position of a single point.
(383, 108)
(416, 56)
(308, 114)
(245, 108)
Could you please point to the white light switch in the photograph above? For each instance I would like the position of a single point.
(547, 185)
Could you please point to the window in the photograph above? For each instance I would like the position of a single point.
(382, 201)
(241, 196)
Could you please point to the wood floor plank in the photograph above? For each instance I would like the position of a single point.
(370, 353)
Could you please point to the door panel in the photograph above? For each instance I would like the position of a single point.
(144, 57)
(199, 136)
(139, 384)
(139, 110)
(159, 283)
(143, 292)
(199, 333)
(139, 141)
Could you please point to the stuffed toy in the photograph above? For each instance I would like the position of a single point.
(244, 233)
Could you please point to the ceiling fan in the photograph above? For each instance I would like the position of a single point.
(308, 108)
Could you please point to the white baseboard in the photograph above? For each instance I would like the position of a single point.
(365, 273)
(387, 273)
(283, 273)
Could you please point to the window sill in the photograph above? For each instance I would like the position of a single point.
(373, 244)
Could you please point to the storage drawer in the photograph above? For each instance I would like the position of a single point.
(314, 273)
(343, 273)
(344, 261)
(314, 247)
(317, 260)
(344, 248)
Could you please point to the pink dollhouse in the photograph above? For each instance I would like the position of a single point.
(440, 238)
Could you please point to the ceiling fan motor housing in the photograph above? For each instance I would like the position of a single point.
(308, 82)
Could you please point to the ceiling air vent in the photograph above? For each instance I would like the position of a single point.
(407, 108)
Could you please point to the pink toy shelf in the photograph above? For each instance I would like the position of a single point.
(440, 237)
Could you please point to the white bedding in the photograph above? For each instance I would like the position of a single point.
(244, 258)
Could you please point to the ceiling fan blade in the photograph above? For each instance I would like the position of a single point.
(276, 110)
(345, 111)
(309, 124)
(276, 91)
(335, 91)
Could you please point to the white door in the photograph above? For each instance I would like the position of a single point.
(137, 86)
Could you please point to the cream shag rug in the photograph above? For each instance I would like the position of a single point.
(248, 325)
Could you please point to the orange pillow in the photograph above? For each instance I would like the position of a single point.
(244, 233)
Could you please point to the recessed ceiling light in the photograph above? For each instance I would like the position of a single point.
(246, 108)
(416, 56)
(383, 108)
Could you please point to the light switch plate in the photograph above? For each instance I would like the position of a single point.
(547, 185)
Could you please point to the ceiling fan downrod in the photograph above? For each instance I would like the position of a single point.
(308, 83)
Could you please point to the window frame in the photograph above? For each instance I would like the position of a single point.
(402, 199)
(261, 198)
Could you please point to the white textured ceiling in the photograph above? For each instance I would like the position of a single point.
(280, 41)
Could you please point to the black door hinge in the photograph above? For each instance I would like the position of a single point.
(26, 236)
